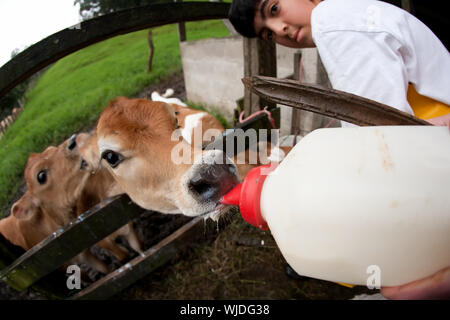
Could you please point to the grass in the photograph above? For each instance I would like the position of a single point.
(70, 96)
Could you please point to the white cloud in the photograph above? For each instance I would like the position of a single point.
(25, 22)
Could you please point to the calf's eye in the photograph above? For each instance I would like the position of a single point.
(113, 158)
(42, 177)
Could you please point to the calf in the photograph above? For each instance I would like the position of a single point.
(190, 119)
(55, 179)
(137, 144)
(61, 186)
(100, 186)
(166, 97)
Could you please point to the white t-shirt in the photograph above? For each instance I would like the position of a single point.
(374, 49)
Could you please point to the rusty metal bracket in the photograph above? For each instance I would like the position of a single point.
(329, 102)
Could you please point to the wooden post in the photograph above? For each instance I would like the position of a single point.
(406, 4)
(295, 117)
(310, 71)
(181, 28)
(182, 31)
(151, 49)
(259, 59)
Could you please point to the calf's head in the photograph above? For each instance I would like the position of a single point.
(136, 140)
(55, 179)
(27, 224)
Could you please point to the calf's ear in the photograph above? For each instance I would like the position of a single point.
(24, 208)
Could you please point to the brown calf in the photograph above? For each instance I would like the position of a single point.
(61, 186)
(55, 179)
(137, 141)
(100, 186)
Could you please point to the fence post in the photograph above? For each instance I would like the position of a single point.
(181, 28)
(295, 117)
(259, 59)
(406, 4)
(313, 72)
(151, 50)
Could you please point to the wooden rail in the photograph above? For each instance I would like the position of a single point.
(139, 267)
(329, 102)
(65, 243)
(95, 30)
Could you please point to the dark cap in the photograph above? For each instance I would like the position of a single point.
(242, 16)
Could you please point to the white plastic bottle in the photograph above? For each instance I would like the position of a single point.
(358, 204)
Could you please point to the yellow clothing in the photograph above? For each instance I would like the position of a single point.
(424, 107)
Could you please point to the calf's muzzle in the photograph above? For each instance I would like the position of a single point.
(212, 181)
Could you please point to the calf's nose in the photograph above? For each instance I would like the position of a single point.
(213, 181)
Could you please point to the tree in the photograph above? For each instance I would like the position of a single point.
(94, 8)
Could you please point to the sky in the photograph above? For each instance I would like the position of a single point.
(25, 22)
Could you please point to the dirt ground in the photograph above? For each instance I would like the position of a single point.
(243, 262)
(237, 262)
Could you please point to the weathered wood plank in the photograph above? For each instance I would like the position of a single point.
(139, 267)
(97, 29)
(329, 102)
(67, 242)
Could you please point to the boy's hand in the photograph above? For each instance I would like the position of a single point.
(440, 121)
(436, 286)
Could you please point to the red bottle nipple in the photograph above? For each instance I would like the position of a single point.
(247, 195)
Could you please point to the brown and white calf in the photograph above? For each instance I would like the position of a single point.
(137, 141)
(190, 120)
(100, 186)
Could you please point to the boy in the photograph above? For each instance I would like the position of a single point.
(371, 49)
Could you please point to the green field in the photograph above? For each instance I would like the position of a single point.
(71, 94)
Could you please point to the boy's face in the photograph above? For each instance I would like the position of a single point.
(287, 22)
